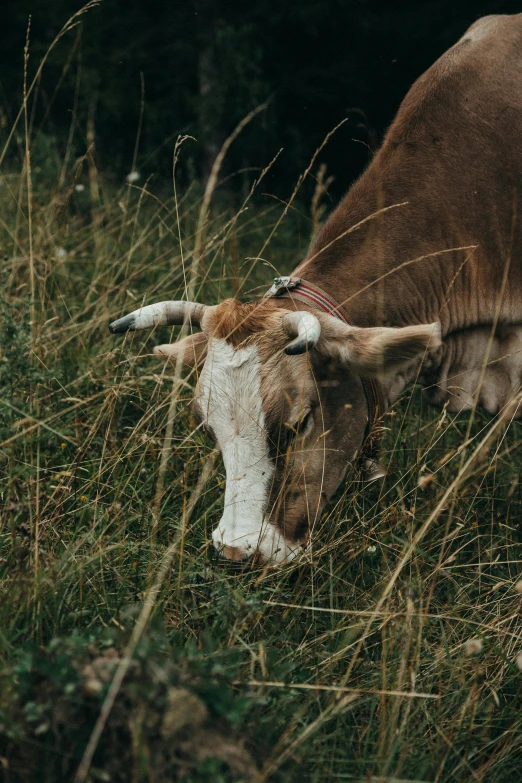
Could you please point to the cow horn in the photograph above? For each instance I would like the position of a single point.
(159, 314)
(305, 328)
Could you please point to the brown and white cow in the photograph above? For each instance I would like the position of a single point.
(424, 254)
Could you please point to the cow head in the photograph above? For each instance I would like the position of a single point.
(280, 392)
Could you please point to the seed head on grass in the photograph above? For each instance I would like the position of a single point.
(426, 481)
(473, 647)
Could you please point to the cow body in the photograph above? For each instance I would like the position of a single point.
(453, 160)
(425, 255)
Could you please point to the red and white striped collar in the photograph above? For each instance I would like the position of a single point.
(296, 288)
(304, 291)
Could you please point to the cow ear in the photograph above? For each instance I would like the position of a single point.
(191, 349)
(378, 349)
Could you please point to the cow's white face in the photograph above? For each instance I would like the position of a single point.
(286, 431)
(230, 406)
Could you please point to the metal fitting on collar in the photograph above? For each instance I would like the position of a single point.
(283, 284)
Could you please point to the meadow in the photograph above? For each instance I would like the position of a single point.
(128, 650)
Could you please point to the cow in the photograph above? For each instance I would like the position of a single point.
(415, 276)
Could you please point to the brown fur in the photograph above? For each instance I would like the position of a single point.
(240, 323)
(454, 155)
(478, 365)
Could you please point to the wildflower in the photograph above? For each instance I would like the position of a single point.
(425, 481)
(79, 188)
(83, 498)
(473, 647)
(518, 661)
(60, 253)
(63, 445)
(371, 550)
(92, 686)
(133, 176)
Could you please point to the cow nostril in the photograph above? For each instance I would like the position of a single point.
(236, 564)
(233, 553)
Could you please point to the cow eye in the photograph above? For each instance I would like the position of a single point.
(301, 425)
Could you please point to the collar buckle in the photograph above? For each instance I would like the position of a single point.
(283, 284)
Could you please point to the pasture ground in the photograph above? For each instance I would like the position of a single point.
(388, 655)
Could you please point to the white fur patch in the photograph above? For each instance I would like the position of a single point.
(230, 400)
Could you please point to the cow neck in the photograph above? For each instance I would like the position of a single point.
(297, 288)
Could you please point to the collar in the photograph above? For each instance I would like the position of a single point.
(297, 288)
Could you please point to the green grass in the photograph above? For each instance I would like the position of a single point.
(352, 665)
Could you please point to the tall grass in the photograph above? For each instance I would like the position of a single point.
(389, 654)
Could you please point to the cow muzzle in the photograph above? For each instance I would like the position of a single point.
(263, 544)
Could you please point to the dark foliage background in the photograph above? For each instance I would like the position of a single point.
(201, 65)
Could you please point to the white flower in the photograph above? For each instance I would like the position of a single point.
(133, 176)
(473, 647)
(425, 481)
(371, 549)
(79, 188)
(92, 686)
(60, 253)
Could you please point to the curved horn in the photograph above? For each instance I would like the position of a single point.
(160, 314)
(305, 328)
